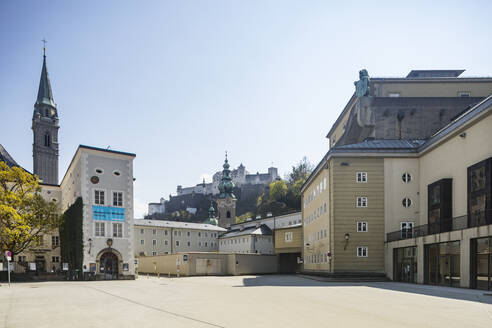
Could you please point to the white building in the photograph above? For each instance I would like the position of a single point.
(103, 179)
(273, 222)
(157, 208)
(157, 237)
(253, 239)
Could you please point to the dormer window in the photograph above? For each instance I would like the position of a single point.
(47, 140)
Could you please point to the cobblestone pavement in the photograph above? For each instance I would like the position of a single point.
(245, 301)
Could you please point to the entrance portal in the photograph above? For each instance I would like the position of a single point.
(108, 265)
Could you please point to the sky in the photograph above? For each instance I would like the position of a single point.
(181, 82)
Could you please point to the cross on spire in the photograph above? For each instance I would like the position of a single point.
(44, 46)
(226, 153)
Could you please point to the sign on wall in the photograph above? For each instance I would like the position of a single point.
(106, 213)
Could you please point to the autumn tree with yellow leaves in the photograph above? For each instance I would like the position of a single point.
(25, 216)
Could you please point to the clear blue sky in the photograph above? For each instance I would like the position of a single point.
(180, 82)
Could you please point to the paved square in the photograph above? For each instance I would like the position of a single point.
(245, 301)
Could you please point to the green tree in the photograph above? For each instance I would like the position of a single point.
(244, 217)
(278, 190)
(25, 215)
(300, 171)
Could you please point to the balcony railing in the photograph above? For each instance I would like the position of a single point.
(457, 223)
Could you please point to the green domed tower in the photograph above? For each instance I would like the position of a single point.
(226, 202)
(211, 216)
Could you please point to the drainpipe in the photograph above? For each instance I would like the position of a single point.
(171, 240)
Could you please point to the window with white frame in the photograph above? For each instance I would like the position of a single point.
(154, 242)
(188, 243)
(177, 242)
(165, 242)
(361, 177)
(361, 202)
(142, 242)
(99, 229)
(362, 251)
(117, 198)
(99, 197)
(154, 253)
(141, 231)
(117, 230)
(361, 226)
(154, 231)
(288, 237)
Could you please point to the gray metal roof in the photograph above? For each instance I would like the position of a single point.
(383, 145)
(261, 230)
(5, 157)
(177, 225)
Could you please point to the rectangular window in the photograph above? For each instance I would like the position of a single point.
(142, 242)
(362, 251)
(55, 241)
(154, 253)
(55, 259)
(288, 237)
(189, 244)
(362, 226)
(22, 259)
(154, 242)
(361, 177)
(117, 198)
(361, 202)
(165, 232)
(177, 242)
(117, 230)
(100, 227)
(165, 242)
(99, 197)
(406, 229)
(206, 244)
(141, 231)
(188, 233)
(175, 233)
(154, 231)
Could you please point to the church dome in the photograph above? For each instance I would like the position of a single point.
(226, 185)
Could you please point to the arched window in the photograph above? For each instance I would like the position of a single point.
(47, 140)
(228, 214)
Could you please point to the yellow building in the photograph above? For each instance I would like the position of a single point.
(389, 152)
(288, 247)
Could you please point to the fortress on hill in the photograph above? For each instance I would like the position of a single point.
(239, 177)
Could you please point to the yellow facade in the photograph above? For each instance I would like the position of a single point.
(288, 240)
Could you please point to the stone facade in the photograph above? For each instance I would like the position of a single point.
(45, 127)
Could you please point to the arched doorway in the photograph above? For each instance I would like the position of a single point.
(108, 265)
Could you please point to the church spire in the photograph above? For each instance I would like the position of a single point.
(45, 95)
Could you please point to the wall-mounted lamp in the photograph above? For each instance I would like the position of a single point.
(109, 242)
(90, 244)
(347, 237)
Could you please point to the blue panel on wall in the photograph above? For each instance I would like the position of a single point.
(106, 213)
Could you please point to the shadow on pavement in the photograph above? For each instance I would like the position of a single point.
(463, 294)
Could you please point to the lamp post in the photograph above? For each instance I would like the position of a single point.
(90, 244)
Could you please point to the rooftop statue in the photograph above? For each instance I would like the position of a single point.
(362, 86)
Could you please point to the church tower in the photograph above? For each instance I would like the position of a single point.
(45, 130)
(226, 202)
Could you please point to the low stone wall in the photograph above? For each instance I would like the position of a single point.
(200, 264)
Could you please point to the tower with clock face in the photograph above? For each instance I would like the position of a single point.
(226, 202)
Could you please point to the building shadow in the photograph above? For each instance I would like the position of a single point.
(462, 294)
